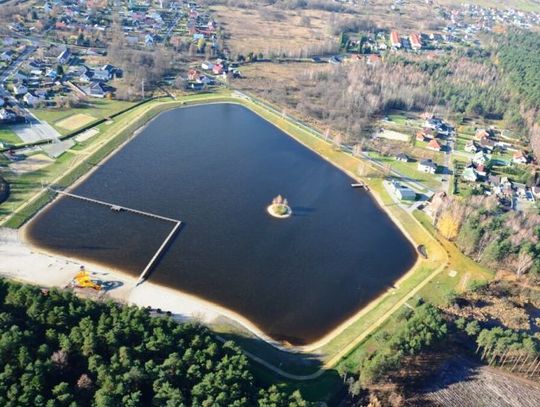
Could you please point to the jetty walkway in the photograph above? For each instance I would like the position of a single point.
(118, 208)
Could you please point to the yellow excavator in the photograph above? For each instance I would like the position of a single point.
(82, 280)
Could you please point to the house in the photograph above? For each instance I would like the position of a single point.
(427, 166)
(19, 89)
(487, 144)
(7, 115)
(112, 70)
(421, 136)
(480, 158)
(483, 133)
(96, 90)
(402, 192)
(402, 157)
(31, 100)
(193, 74)
(203, 79)
(217, 69)
(395, 40)
(433, 123)
(148, 40)
(207, 66)
(415, 41)
(64, 57)
(472, 147)
(469, 174)
(101, 75)
(520, 157)
(434, 145)
(86, 76)
(7, 56)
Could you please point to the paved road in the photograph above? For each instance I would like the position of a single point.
(33, 130)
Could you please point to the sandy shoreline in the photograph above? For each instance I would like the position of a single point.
(30, 267)
(24, 262)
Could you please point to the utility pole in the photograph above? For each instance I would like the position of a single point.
(142, 89)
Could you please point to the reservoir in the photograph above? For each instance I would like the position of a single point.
(216, 168)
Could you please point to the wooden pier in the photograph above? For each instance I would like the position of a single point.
(114, 207)
(360, 185)
(118, 208)
(150, 266)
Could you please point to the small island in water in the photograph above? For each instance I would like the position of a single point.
(279, 208)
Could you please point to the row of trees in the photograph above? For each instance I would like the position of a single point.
(424, 327)
(516, 351)
(503, 240)
(59, 350)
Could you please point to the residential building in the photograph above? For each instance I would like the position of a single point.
(415, 41)
(520, 157)
(427, 166)
(402, 192)
(395, 40)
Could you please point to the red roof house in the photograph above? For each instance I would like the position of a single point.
(434, 145)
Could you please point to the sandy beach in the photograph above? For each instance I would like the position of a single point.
(22, 262)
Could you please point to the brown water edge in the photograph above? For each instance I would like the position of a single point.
(352, 315)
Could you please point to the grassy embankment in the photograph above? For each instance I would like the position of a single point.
(26, 196)
(343, 350)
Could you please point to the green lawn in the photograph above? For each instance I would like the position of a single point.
(467, 269)
(409, 169)
(99, 109)
(8, 136)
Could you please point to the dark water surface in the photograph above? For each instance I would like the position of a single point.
(217, 167)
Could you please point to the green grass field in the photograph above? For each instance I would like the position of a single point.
(409, 169)
(99, 109)
(8, 136)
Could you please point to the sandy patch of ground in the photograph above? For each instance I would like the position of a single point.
(22, 262)
(392, 135)
(75, 121)
(88, 134)
(30, 164)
